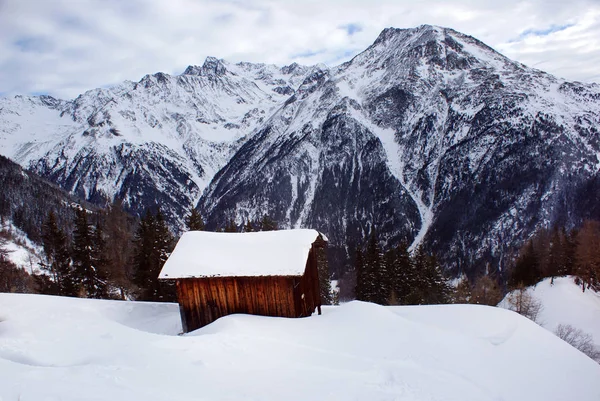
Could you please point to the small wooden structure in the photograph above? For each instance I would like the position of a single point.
(272, 273)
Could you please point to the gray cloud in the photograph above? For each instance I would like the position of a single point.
(64, 47)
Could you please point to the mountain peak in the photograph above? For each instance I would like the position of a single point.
(211, 66)
(423, 32)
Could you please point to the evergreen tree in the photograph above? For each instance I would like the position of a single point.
(81, 254)
(417, 294)
(400, 274)
(153, 242)
(486, 291)
(437, 289)
(118, 233)
(394, 276)
(143, 258)
(361, 276)
(230, 227)
(556, 257)
(324, 279)
(376, 279)
(57, 261)
(99, 263)
(248, 227)
(194, 221)
(268, 224)
(462, 293)
(526, 270)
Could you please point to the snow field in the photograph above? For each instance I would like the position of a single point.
(54, 348)
(565, 303)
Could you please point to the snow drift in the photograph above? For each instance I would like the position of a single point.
(74, 349)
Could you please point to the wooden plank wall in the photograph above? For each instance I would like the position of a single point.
(204, 300)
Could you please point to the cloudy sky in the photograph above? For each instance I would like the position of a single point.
(64, 47)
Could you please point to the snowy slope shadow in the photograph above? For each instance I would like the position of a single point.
(151, 317)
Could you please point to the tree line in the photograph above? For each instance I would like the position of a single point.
(397, 277)
(102, 253)
(106, 253)
(558, 252)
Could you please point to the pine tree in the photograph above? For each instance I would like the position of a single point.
(400, 273)
(418, 278)
(99, 263)
(248, 227)
(462, 293)
(556, 257)
(527, 268)
(361, 276)
(394, 276)
(486, 291)
(57, 261)
(143, 258)
(323, 271)
(230, 227)
(118, 234)
(153, 242)
(81, 254)
(268, 224)
(194, 221)
(437, 289)
(375, 278)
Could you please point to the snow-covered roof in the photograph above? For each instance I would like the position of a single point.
(266, 253)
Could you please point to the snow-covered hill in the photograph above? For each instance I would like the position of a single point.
(429, 135)
(564, 303)
(76, 349)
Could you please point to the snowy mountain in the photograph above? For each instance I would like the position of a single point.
(156, 141)
(428, 135)
(82, 349)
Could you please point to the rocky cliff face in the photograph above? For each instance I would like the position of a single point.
(428, 135)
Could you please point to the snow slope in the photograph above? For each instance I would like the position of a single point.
(565, 303)
(73, 349)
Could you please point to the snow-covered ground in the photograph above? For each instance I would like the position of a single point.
(565, 303)
(21, 250)
(55, 348)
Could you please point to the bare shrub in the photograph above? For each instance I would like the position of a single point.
(578, 339)
(522, 302)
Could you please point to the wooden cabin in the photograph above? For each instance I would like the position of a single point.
(271, 273)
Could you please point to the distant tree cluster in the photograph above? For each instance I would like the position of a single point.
(396, 277)
(484, 290)
(93, 260)
(265, 223)
(99, 254)
(557, 252)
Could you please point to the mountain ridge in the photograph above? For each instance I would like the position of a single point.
(428, 135)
